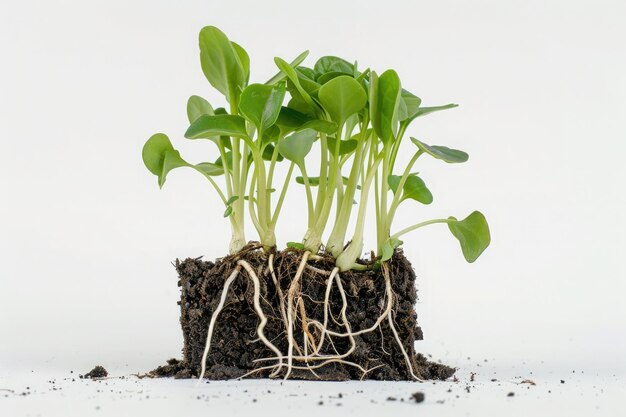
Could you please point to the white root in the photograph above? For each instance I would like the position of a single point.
(359, 367)
(329, 285)
(395, 332)
(317, 270)
(291, 314)
(257, 306)
(290, 298)
(219, 308)
(380, 319)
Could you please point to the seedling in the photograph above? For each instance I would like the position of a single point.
(356, 121)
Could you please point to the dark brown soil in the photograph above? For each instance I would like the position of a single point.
(234, 345)
(97, 372)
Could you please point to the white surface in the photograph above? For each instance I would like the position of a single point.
(63, 394)
(86, 237)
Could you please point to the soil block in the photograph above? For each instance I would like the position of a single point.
(235, 345)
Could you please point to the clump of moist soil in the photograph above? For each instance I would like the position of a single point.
(97, 372)
(236, 348)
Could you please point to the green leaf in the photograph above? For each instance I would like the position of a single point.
(207, 127)
(307, 72)
(160, 158)
(209, 169)
(323, 79)
(222, 63)
(297, 146)
(423, 111)
(345, 146)
(473, 234)
(290, 119)
(309, 84)
(268, 151)
(261, 104)
(281, 75)
(153, 152)
(245, 60)
(196, 107)
(442, 152)
(229, 160)
(327, 64)
(384, 111)
(171, 160)
(411, 103)
(388, 248)
(271, 135)
(341, 97)
(291, 73)
(414, 188)
(295, 245)
(232, 199)
(322, 126)
(228, 211)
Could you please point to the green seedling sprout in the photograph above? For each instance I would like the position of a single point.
(355, 120)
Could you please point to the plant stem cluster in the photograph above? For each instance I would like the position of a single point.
(356, 120)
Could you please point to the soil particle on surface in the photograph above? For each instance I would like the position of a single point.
(97, 372)
(233, 345)
(418, 396)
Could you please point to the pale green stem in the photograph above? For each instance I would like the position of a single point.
(227, 173)
(418, 225)
(346, 260)
(323, 174)
(397, 143)
(399, 191)
(279, 205)
(251, 201)
(309, 195)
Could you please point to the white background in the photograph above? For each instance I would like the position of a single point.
(87, 239)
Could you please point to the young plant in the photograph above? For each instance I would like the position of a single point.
(356, 121)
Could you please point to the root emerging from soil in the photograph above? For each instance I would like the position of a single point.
(305, 315)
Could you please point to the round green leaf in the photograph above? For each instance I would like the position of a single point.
(261, 104)
(414, 188)
(473, 234)
(296, 146)
(153, 152)
(196, 107)
(442, 152)
(341, 97)
(327, 64)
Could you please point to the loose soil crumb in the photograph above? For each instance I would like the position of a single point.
(233, 345)
(418, 396)
(96, 372)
